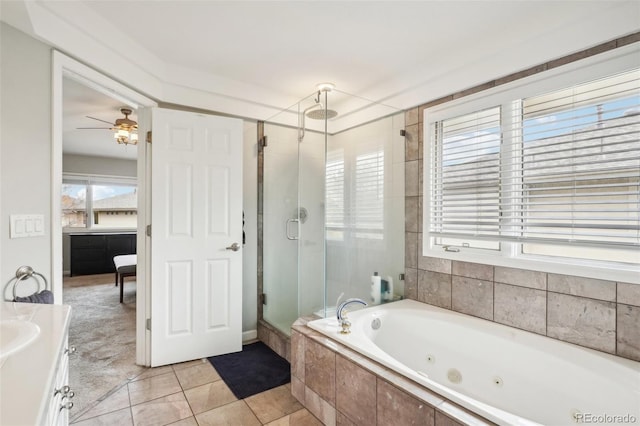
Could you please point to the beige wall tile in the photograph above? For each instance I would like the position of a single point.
(397, 408)
(434, 288)
(342, 420)
(471, 296)
(629, 294)
(320, 408)
(521, 307)
(297, 389)
(420, 220)
(435, 264)
(521, 277)
(297, 354)
(411, 283)
(583, 287)
(411, 214)
(411, 178)
(320, 370)
(299, 418)
(411, 143)
(356, 392)
(444, 420)
(273, 404)
(420, 176)
(473, 270)
(411, 249)
(583, 321)
(457, 415)
(411, 116)
(628, 331)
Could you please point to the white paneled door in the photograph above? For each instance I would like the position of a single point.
(196, 241)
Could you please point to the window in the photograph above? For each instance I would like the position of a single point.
(538, 175)
(99, 203)
(354, 181)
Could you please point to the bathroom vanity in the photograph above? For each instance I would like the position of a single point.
(34, 367)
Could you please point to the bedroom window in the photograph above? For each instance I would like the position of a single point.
(91, 203)
(553, 174)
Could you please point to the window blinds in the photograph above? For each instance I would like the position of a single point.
(562, 167)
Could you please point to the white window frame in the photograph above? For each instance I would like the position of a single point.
(599, 66)
(89, 180)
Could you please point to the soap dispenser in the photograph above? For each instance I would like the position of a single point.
(376, 288)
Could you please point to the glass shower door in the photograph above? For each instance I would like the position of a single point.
(280, 227)
(293, 219)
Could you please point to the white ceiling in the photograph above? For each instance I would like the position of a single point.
(81, 102)
(255, 58)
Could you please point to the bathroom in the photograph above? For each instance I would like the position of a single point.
(437, 280)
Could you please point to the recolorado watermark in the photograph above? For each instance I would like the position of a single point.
(587, 418)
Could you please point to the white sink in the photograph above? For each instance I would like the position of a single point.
(15, 335)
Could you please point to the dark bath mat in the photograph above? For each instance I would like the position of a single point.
(253, 370)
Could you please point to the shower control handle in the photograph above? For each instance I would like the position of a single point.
(234, 247)
(289, 236)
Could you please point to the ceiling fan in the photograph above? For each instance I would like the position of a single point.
(125, 130)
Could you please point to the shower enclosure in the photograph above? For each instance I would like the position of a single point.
(333, 205)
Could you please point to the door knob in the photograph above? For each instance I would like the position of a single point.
(234, 247)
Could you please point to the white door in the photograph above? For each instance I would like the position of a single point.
(196, 217)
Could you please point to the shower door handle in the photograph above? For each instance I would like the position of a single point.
(289, 236)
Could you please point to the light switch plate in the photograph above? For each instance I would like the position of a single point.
(27, 225)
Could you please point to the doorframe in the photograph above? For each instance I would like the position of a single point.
(64, 66)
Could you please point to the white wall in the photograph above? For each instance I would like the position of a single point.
(25, 152)
(90, 165)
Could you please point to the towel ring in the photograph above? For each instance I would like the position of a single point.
(25, 272)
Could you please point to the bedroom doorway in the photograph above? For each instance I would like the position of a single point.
(96, 186)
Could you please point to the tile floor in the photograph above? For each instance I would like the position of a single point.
(193, 393)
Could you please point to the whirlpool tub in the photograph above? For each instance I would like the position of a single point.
(506, 375)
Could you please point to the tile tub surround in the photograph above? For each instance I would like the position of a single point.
(279, 342)
(597, 314)
(341, 387)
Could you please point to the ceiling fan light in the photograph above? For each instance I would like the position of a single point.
(134, 138)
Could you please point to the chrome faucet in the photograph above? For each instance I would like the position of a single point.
(342, 319)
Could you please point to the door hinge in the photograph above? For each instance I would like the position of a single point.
(263, 141)
(149, 137)
(263, 298)
(149, 324)
(148, 230)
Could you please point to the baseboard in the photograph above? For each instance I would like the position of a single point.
(249, 335)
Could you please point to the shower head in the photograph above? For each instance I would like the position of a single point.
(321, 114)
(316, 112)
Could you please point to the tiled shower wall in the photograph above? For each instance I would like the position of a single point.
(598, 314)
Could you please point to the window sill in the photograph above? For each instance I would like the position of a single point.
(619, 272)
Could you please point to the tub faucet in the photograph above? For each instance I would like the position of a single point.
(342, 319)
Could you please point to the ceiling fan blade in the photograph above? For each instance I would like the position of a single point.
(99, 128)
(104, 121)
